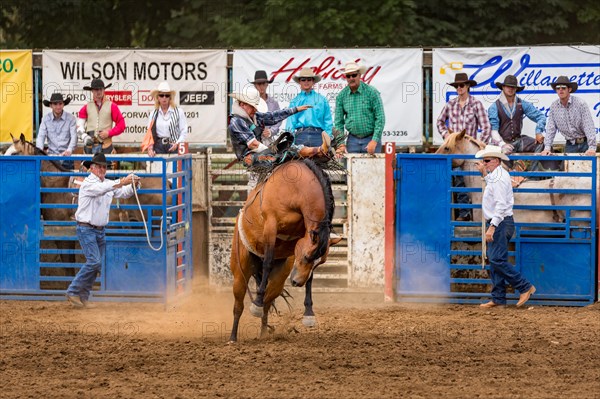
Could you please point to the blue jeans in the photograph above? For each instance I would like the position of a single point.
(309, 137)
(93, 244)
(358, 145)
(576, 148)
(501, 271)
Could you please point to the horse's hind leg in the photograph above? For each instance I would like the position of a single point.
(281, 269)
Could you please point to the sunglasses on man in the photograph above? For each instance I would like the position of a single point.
(351, 75)
(561, 87)
(164, 95)
(306, 79)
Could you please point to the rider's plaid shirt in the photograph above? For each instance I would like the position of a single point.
(573, 121)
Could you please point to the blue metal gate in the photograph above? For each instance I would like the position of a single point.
(438, 259)
(40, 257)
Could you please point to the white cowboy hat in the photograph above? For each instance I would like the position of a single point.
(491, 151)
(163, 87)
(307, 73)
(354, 67)
(251, 96)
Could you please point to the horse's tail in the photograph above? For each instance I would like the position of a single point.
(324, 226)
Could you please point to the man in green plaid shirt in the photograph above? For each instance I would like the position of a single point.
(358, 109)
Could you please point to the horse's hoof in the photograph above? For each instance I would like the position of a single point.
(256, 311)
(230, 342)
(309, 321)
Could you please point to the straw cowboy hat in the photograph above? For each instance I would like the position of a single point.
(307, 73)
(98, 159)
(462, 78)
(563, 80)
(510, 81)
(354, 67)
(164, 88)
(96, 84)
(251, 96)
(491, 151)
(261, 77)
(57, 98)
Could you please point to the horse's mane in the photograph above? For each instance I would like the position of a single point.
(58, 165)
(324, 228)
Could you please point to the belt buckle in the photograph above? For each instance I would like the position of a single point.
(164, 141)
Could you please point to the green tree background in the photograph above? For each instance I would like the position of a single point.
(39, 24)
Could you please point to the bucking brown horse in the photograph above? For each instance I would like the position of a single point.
(283, 228)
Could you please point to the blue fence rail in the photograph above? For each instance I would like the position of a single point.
(438, 259)
(40, 250)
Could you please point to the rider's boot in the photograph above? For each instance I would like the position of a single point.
(322, 151)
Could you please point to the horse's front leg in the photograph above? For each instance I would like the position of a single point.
(265, 328)
(309, 319)
(269, 238)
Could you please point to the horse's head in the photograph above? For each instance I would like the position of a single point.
(20, 146)
(459, 143)
(305, 262)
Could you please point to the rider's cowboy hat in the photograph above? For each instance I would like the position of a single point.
(462, 78)
(96, 84)
(57, 98)
(510, 81)
(251, 96)
(98, 159)
(563, 80)
(307, 73)
(354, 67)
(164, 88)
(261, 77)
(491, 151)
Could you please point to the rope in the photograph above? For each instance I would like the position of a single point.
(483, 242)
(145, 226)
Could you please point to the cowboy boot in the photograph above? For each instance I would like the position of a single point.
(323, 150)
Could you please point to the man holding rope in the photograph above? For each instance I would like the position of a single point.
(497, 206)
(93, 207)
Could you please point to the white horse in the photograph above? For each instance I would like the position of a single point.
(460, 143)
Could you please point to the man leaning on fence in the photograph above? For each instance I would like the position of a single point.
(570, 116)
(58, 128)
(359, 110)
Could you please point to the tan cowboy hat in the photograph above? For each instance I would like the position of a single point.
(354, 67)
(307, 73)
(163, 87)
(510, 81)
(251, 96)
(462, 78)
(563, 80)
(491, 151)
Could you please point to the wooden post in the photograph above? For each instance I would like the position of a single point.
(390, 214)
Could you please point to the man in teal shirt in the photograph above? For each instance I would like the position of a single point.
(359, 110)
(307, 126)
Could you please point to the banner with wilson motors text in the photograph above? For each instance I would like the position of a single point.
(396, 73)
(199, 78)
(16, 94)
(534, 67)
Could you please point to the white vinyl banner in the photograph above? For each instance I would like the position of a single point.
(396, 73)
(534, 67)
(199, 78)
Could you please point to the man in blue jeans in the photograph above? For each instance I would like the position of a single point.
(95, 196)
(497, 205)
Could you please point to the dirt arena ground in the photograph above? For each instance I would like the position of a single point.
(361, 348)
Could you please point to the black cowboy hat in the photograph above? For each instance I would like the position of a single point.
(96, 84)
(563, 80)
(261, 77)
(462, 78)
(57, 98)
(510, 81)
(98, 159)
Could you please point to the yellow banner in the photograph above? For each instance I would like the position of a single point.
(16, 94)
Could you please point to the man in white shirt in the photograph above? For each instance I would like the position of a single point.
(93, 207)
(497, 206)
